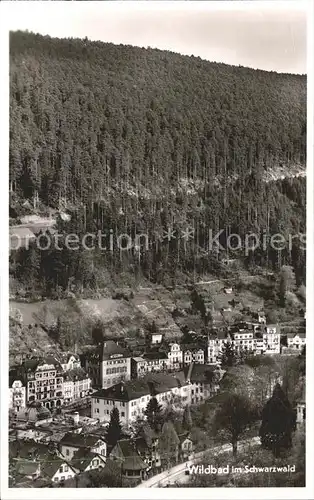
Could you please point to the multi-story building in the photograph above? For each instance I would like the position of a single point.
(175, 356)
(244, 340)
(216, 342)
(76, 385)
(17, 392)
(203, 382)
(91, 362)
(272, 339)
(115, 364)
(108, 364)
(131, 398)
(296, 341)
(193, 385)
(44, 381)
(192, 354)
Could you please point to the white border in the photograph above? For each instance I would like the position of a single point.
(8, 9)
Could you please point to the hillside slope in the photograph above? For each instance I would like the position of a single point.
(142, 140)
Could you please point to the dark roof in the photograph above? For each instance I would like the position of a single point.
(124, 392)
(27, 450)
(155, 355)
(110, 348)
(75, 374)
(33, 363)
(302, 335)
(132, 460)
(26, 467)
(80, 440)
(15, 375)
(191, 347)
(152, 383)
(83, 457)
(52, 465)
(182, 437)
(200, 373)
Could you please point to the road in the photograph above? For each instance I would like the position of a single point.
(177, 473)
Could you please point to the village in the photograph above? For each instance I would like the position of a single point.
(62, 405)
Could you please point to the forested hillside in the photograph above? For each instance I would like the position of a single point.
(142, 140)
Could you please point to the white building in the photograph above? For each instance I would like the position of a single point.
(175, 356)
(272, 339)
(296, 341)
(115, 364)
(76, 385)
(17, 393)
(70, 361)
(192, 354)
(215, 345)
(131, 398)
(244, 340)
(44, 381)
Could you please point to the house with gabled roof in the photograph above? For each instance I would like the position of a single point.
(133, 467)
(86, 460)
(56, 469)
(72, 442)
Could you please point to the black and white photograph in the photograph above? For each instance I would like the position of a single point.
(155, 315)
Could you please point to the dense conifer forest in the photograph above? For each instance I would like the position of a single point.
(138, 140)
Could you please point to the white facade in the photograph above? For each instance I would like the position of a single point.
(45, 384)
(72, 362)
(196, 356)
(271, 342)
(244, 340)
(296, 342)
(63, 473)
(214, 348)
(17, 396)
(175, 356)
(115, 369)
(130, 410)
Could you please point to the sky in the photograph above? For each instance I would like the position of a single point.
(264, 35)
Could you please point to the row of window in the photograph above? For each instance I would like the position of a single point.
(119, 369)
(107, 412)
(109, 402)
(116, 362)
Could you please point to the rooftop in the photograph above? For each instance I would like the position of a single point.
(112, 349)
(80, 440)
(82, 458)
(153, 383)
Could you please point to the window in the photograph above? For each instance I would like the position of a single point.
(122, 414)
(62, 478)
(66, 468)
(97, 400)
(97, 410)
(61, 468)
(67, 452)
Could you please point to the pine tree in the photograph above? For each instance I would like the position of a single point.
(234, 417)
(228, 355)
(153, 414)
(278, 422)
(114, 428)
(187, 421)
(169, 443)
